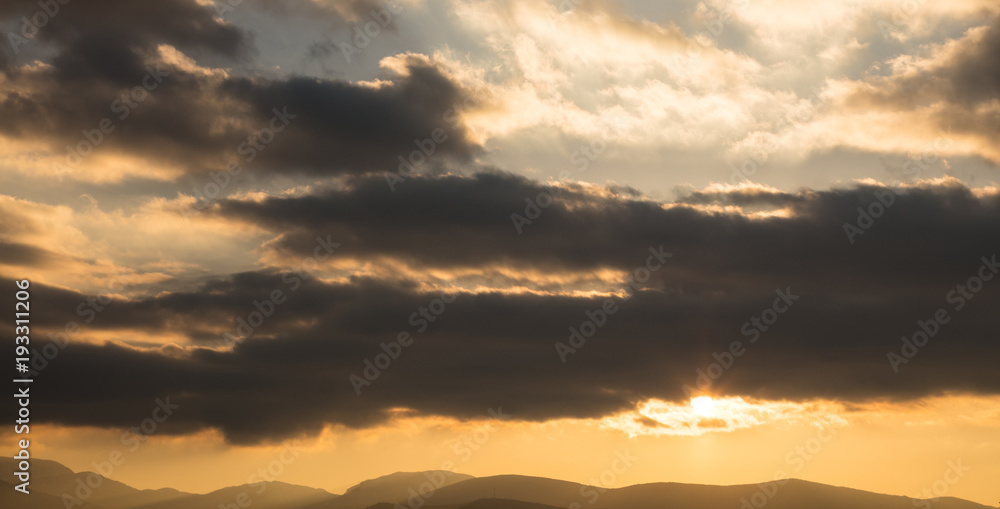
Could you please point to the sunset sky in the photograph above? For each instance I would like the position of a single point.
(730, 240)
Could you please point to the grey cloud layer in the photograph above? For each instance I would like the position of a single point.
(457, 221)
(488, 349)
(960, 88)
(183, 23)
(196, 121)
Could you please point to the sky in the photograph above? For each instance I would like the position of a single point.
(733, 240)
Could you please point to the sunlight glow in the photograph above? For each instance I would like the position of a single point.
(705, 414)
(703, 406)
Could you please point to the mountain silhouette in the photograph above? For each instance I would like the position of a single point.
(53, 479)
(483, 503)
(264, 495)
(790, 494)
(52, 483)
(399, 486)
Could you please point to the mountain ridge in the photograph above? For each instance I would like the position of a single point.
(438, 489)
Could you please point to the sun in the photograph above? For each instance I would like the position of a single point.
(703, 405)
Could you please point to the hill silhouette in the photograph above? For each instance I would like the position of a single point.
(392, 488)
(53, 479)
(791, 494)
(51, 483)
(483, 503)
(264, 495)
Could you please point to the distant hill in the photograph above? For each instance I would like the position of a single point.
(793, 494)
(392, 488)
(51, 480)
(267, 495)
(36, 500)
(484, 503)
(514, 487)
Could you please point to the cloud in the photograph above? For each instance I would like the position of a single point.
(15, 253)
(489, 348)
(182, 23)
(529, 263)
(170, 111)
(940, 100)
(453, 221)
(85, 247)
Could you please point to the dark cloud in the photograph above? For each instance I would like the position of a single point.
(966, 75)
(201, 122)
(466, 222)
(344, 127)
(182, 23)
(858, 292)
(960, 83)
(973, 75)
(337, 11)
(487, 349)
(744, 198)
(13, 253)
